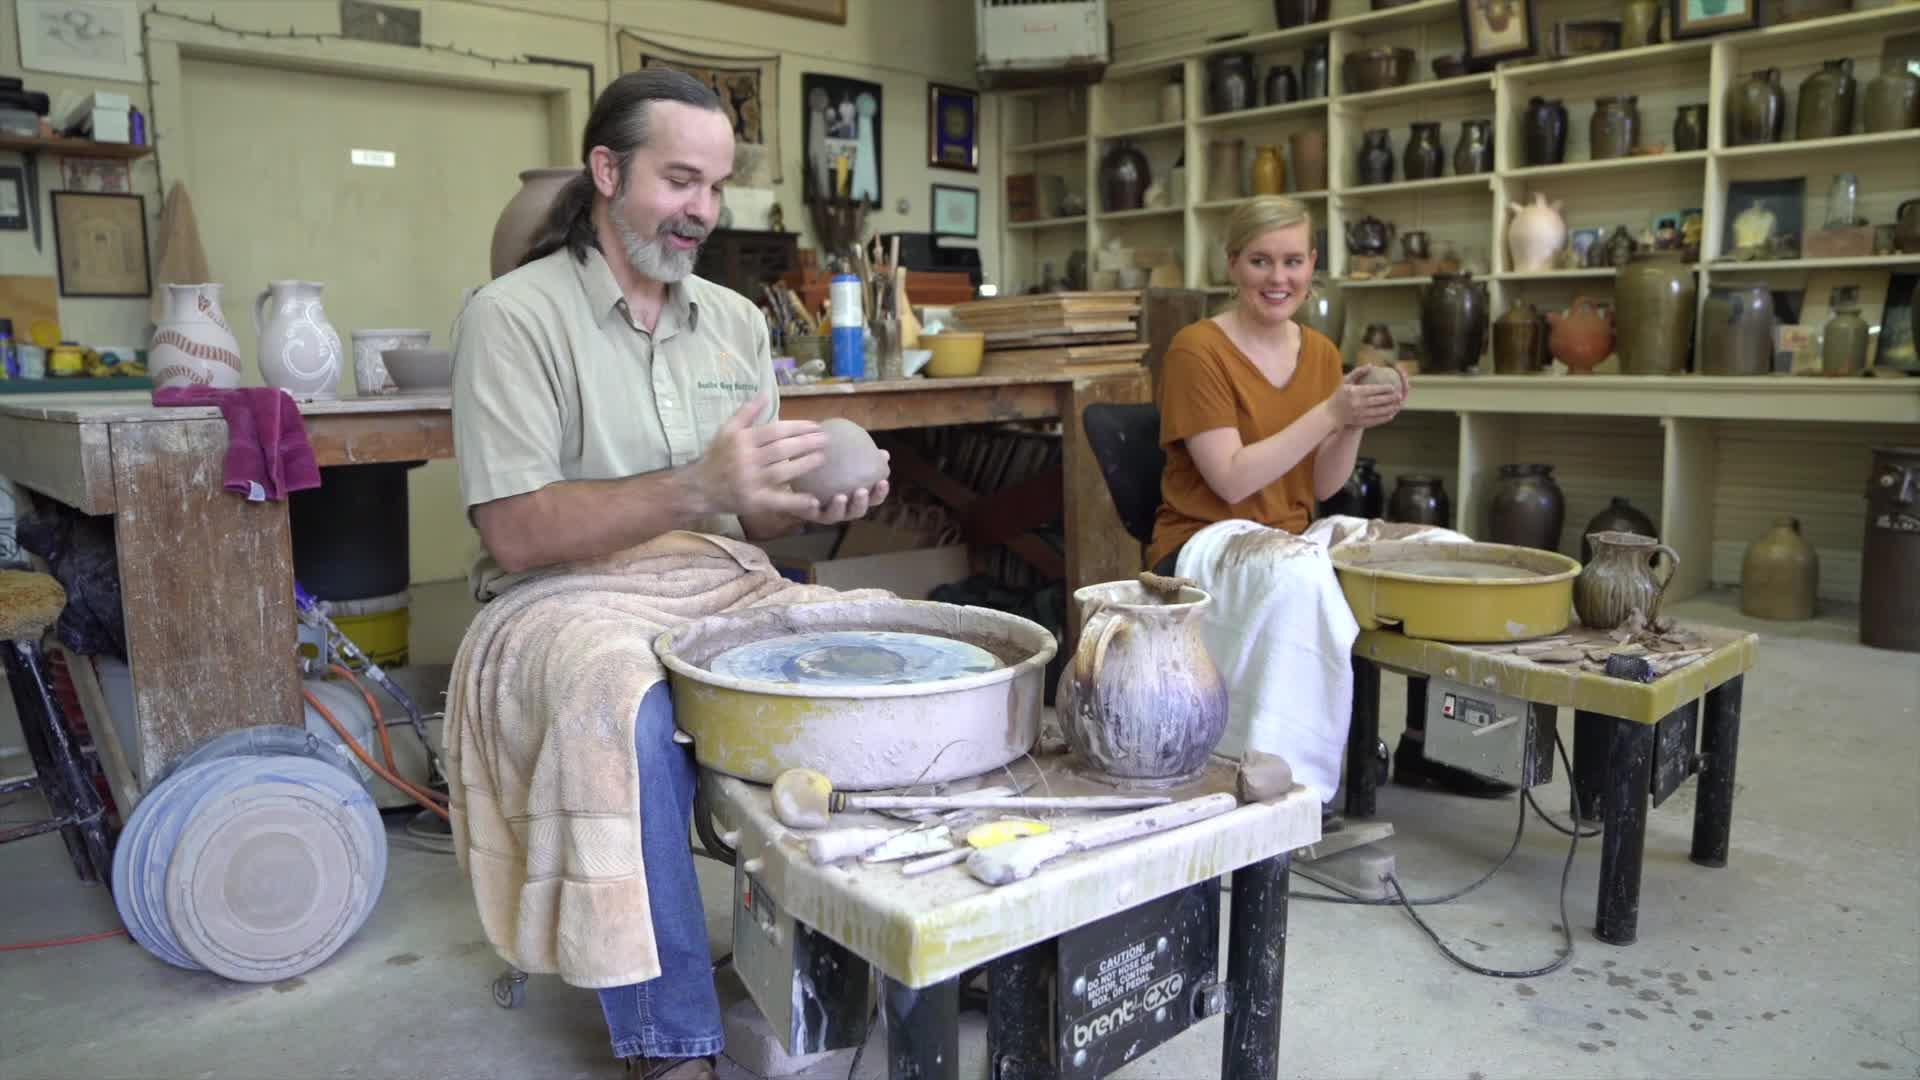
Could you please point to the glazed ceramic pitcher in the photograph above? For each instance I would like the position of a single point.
(299, 350)
(1142, 699)
(1620, 580)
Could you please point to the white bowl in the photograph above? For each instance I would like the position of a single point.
(416, 370)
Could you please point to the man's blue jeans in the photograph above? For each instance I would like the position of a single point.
(676, 1015)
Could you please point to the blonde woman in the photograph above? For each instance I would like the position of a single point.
(1258, 425)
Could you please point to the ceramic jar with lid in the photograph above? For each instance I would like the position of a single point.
(1654, 294)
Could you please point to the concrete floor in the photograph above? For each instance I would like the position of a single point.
(1797, 960)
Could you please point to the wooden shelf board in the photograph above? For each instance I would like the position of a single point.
(73, 147)
(1555, 275)
(1071, 142)
(1417, 187)
(1049, 223)
(1877, 140)
(1383, 282)
(1234, 204)
(1366, 22)
(1878, 20)
(1708, 397)
(1438, 89)
(1661, 55)
(1134, 215)
(1141, 69)
(1864, 262)
(1173, 127)
(1264, 112)
(1606, 165)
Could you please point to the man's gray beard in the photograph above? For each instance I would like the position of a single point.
(652, 258)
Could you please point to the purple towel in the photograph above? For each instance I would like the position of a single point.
(268, 455)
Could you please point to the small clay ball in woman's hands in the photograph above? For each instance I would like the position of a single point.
(853, 462)
(1382, 375)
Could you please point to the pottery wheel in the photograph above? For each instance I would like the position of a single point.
(272, 877)
(854, 658)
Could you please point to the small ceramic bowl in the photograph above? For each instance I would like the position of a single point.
(416, 370)
(956, 353)
(1377, 69)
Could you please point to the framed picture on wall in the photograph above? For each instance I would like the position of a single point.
(1700, 18)
(953, 128)
(97, 39)
(13, 198)
(833, 11)
(1896, 347)
(749, 92)
(841, 130)
(101, 244)
(1497, 29)
(956, 211)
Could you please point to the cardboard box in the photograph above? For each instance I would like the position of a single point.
(910, 575)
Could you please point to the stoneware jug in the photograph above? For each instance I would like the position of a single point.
(1619, 516)
(1756, 109)
(1780, 574)
(1536, 234)
(1581, 336)
(513, 231)
(1142, 700)
(192, 345)
(1620, 580)
(299, 350)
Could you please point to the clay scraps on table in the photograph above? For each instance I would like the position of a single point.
(1665, 650)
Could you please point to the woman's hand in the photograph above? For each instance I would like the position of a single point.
(1357, 403)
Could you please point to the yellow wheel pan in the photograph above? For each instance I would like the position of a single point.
(1470, 592)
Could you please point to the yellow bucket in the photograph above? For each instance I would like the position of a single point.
(378, 625)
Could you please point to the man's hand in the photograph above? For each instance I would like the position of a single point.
(747, 468)
(851, 506)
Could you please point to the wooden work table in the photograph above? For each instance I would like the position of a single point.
(207, 578)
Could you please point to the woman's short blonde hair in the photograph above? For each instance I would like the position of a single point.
(1262, 215)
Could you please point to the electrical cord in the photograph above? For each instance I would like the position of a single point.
(1566, 871)
(22, 946)
(1554, 825)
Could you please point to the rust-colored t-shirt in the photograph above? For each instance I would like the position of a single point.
(1207, 383)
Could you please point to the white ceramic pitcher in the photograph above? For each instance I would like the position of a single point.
(300, 351)
(192, 345)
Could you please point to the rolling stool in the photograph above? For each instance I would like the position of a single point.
(1125, 440)
(29, 604)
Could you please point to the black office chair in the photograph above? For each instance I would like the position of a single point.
(1125, 440)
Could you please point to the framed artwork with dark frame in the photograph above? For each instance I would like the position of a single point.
(1497, 29)
(956, 211)
(1703, 18)
(1764, 219)
(953, 127)
(13, 198)
(100, 241)
(1897, 345)
(841, 129)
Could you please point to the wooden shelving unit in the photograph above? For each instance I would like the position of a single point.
(73, 147)
(1711, 459)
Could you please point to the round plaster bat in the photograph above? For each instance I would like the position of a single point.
(853, 462)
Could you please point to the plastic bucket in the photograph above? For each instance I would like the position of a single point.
(377, 624)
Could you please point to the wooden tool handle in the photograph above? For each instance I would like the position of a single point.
(977, 801)
(1018, 860)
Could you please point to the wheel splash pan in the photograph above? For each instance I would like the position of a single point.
(1471, 592)
(862, 737)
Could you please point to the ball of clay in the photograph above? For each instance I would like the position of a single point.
(853, 462)
(1382, 375)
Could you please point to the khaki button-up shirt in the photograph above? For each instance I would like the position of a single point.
(554, 380)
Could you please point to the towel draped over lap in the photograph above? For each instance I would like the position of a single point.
(539, 745)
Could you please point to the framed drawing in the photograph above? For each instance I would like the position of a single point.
(956, 211)
(13, 198)
(1497, 29)
(749, 90)
(101, 244)
(841, 128)
(1701, 18)
(953, 128)
(833, 11)
(98, 39)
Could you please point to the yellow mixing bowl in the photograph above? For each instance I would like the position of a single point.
(956, 353)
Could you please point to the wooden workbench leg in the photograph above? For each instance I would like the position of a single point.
(923, 1030)
(206, 582)
(1020, 1015)
(1589, 779)
(1256, 969)
(1623, 834)
(1363, 738)
(1099, 548)
(1719, 746)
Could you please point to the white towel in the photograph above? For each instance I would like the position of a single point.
(1281, 633)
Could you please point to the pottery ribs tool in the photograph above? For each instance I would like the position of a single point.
(805, 799)
(1018, 860)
